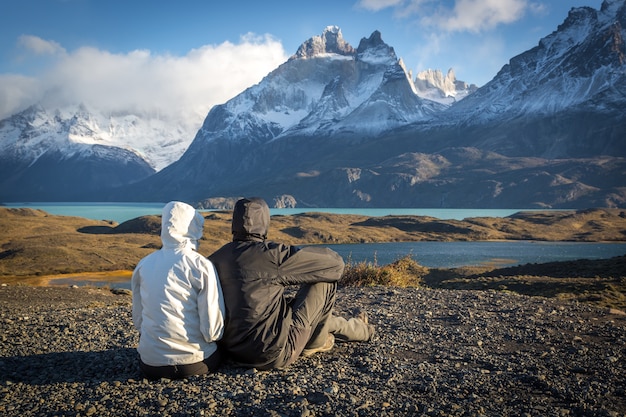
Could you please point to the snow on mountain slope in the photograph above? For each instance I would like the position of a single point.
(433, 85)
(327, 87)
(579, 63)
(75, 129)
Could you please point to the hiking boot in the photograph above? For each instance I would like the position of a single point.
(361, 315)
(327, 346)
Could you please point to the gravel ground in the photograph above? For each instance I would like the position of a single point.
(71, 352)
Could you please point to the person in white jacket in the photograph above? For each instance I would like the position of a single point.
(178, 307)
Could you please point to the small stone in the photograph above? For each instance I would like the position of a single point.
(333, 389)
(121, 291)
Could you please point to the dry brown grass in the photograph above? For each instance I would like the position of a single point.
(601, 282)
(604, 286)
(37, 246)
(404, 272)
(36, 243)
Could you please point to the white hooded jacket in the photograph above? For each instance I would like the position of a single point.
(178, 306)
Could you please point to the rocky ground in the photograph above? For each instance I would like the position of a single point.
(71, 352)
(467, 343)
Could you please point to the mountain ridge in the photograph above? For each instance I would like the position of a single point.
(341, 126)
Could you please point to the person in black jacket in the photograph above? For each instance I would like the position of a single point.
(264, 328)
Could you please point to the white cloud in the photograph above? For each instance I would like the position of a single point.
(181, 86)
(465, 15)
(539, 9)
(479, 15)
(16, 93)
(40, 46)
(376, 5)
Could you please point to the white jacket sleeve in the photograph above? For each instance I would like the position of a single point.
(211, 304)
(136, 289)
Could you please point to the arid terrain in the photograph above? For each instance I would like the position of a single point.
(34, 242)
(36, 247)
(536, 339)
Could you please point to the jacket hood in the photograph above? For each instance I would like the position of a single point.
(181, 226)
(251, 219)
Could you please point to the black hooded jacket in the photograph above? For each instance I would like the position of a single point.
(253, 273)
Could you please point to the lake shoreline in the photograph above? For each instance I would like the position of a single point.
(120, 212)
(54, 280)
(40, 245)
(599, 282)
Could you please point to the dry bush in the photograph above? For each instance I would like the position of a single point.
(404, 272)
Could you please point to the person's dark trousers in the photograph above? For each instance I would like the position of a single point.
(210, 364)
(312, 320)
(310, 310)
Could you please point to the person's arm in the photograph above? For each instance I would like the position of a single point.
(135, 283)
(308, 265)
(210, 304)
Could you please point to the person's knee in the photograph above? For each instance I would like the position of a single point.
(325, 289)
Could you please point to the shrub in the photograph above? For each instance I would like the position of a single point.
(404, 272)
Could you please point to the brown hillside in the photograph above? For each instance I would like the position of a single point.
(34, 242)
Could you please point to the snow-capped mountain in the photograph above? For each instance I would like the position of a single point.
(563, 98)
(327, 90)
(326, 87)
(337, 126)
(73, 129)
(46, 154)
(445, 89)
(45, 158)
(581, 63)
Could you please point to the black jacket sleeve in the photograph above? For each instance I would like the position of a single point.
(308, 265)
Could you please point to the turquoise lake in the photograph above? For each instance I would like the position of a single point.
(120, 212)
(430, 254)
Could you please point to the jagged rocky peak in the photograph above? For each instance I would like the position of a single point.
(331, 41)
(611, 11)
(582, 21)
(375, 50)
(449, 82)
(445, 89)
(435, 78)
(614, 8)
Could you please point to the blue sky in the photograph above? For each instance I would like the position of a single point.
(188, 55)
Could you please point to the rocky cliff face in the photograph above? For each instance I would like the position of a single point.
(330, 42)
(446, 89)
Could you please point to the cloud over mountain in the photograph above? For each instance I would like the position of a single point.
(180, 86)
(461, 16)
